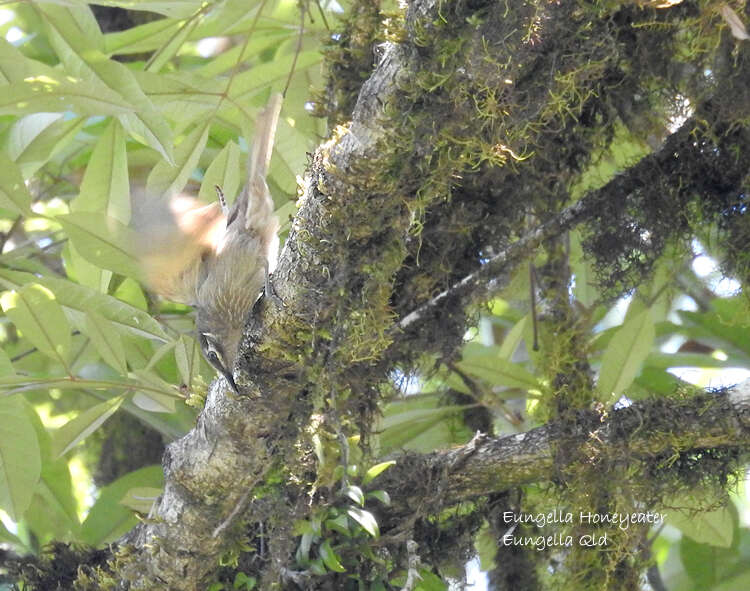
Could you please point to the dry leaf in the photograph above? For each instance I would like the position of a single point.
(735, 24)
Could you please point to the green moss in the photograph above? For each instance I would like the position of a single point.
(349, 56)
(59, 566)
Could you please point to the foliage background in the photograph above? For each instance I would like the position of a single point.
(92, 365)
(88, 117)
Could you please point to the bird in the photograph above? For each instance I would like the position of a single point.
(214, 257)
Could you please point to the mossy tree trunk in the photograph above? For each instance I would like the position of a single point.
(463, 128)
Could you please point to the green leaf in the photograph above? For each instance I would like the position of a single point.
(188, 357)
(317, 567)
(20, 463)
(260, 42)
(13, 192)
(223, 171)
(55, 92)
(20, 383)
(169, 8)
(53, 513)
(290, 156)
(243, 581)
(108, 519)
(419, 423)
(715, 528)
(180, 96)
(236, 16)
(365, 519)
(585, 282)
(485, 363)
(156, 395)
(9, 538)
(624, 149)
(36, 138)
(154, 402)
(446, 379)
(159, 354)
(712, 567)
(513, 338)
(404, 417)
(625, 354)
(141, 498)
(666, 360)
(166, 179)
(263, 76)
(82, 54)
(374, 471)
(429, 581)
(339, 524)
(105, 186)
(131, 292)
(655, 381)
(6, 366)
(302, 555)
(167, 51)
(80, 299)
(301, 527)
(147, 125)
(141, 38)
(285, 213)
(486, 546)
(725, 326)
(82, 271)
(34, 87)
(355, 494)
(14, 65)
(658, 292)
(330, 558)
(74, 22)
(381, 496)
(171, 426)
(38, 315)
(103, 241)
(77, 429)
(741, 581)
(106, 340)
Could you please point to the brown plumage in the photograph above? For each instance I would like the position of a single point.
(213, 258)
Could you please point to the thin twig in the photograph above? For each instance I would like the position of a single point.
(297, 49)
(532, 298)
(487, 279)
(34, 349)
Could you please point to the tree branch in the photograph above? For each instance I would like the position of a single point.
(607, 206)
(494, 274)
(238, 439)
(643, 431)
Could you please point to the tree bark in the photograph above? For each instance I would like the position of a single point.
(490, 465)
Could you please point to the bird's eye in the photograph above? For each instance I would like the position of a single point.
(212, 350)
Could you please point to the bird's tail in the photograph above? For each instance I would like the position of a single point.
(254, 207)
(265, 132)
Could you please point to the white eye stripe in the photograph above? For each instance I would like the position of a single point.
(213, 348)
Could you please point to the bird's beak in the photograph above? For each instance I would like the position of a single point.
(230, 379)
(213, 359)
